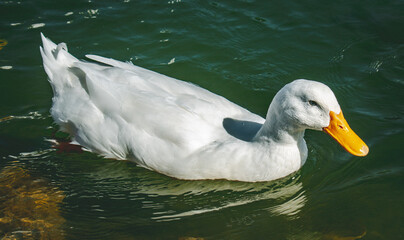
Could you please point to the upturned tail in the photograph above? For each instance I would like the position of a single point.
(56, 61)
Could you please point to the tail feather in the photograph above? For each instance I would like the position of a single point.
(48, 45)
(56, 61)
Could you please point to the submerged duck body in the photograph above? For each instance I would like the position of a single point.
(123, 111)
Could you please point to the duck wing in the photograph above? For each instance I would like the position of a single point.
(177, 112)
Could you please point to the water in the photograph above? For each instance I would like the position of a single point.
(243, 50)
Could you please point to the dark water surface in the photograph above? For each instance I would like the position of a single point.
(243, 50)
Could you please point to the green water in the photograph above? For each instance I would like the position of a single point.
(245, 51)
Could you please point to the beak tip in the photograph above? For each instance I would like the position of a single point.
(364, 150)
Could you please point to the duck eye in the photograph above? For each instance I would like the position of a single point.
(313, 103)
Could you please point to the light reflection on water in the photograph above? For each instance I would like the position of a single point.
(157, 193)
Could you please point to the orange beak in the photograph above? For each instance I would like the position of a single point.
(343, 134)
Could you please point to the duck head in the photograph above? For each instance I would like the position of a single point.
(304, 104)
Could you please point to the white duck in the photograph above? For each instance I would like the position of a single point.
(122, 111)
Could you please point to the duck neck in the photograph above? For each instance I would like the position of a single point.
(278, 129)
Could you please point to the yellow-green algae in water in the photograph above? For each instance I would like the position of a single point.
(29, 206)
